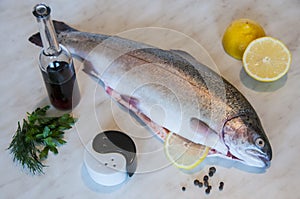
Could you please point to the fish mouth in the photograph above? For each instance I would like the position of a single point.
(254, 158)
(259, 158)
(265, 159)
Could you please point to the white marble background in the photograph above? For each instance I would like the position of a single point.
(22, 90)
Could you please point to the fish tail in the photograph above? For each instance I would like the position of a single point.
(58, 26)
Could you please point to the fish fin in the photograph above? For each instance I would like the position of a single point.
(193, 61)
(62, 27)
(36, 39)
(207, 136)
(90, 70)
(183, 54)
(131, 101)
(199, 126)
(58, 26)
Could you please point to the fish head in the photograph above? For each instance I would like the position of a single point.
(247, 141)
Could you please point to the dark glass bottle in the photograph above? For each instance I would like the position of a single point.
(56, 64)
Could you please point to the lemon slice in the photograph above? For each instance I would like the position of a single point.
(183, 153)
(266, 59)
(239, 34)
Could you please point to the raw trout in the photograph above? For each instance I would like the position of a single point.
(195, 102)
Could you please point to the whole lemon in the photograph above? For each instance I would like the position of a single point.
(239, 34)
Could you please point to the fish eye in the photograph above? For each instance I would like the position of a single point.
(259, 142)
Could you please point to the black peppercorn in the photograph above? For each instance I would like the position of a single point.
(200, 184)
(221, 186)
(212, 169)
(207, 191)
(205, 178)
(206, 183)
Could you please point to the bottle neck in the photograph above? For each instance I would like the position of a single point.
(47, 32)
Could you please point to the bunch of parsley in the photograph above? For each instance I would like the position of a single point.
(38, 135)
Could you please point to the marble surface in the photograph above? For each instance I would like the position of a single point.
(177, 25)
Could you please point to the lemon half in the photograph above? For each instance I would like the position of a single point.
(266, 59)
(184, 153)
(239, 34)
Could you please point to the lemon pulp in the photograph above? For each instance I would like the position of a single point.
(184, 153)
(266, 59)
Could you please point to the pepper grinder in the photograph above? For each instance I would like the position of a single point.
(56, 64)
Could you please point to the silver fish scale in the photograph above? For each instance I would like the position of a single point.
(201, 77)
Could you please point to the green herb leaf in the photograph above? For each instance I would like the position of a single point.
(49, 142)
(38, 135)
(44, 153)
(61, 141)
(46, 132)
(54, 150)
